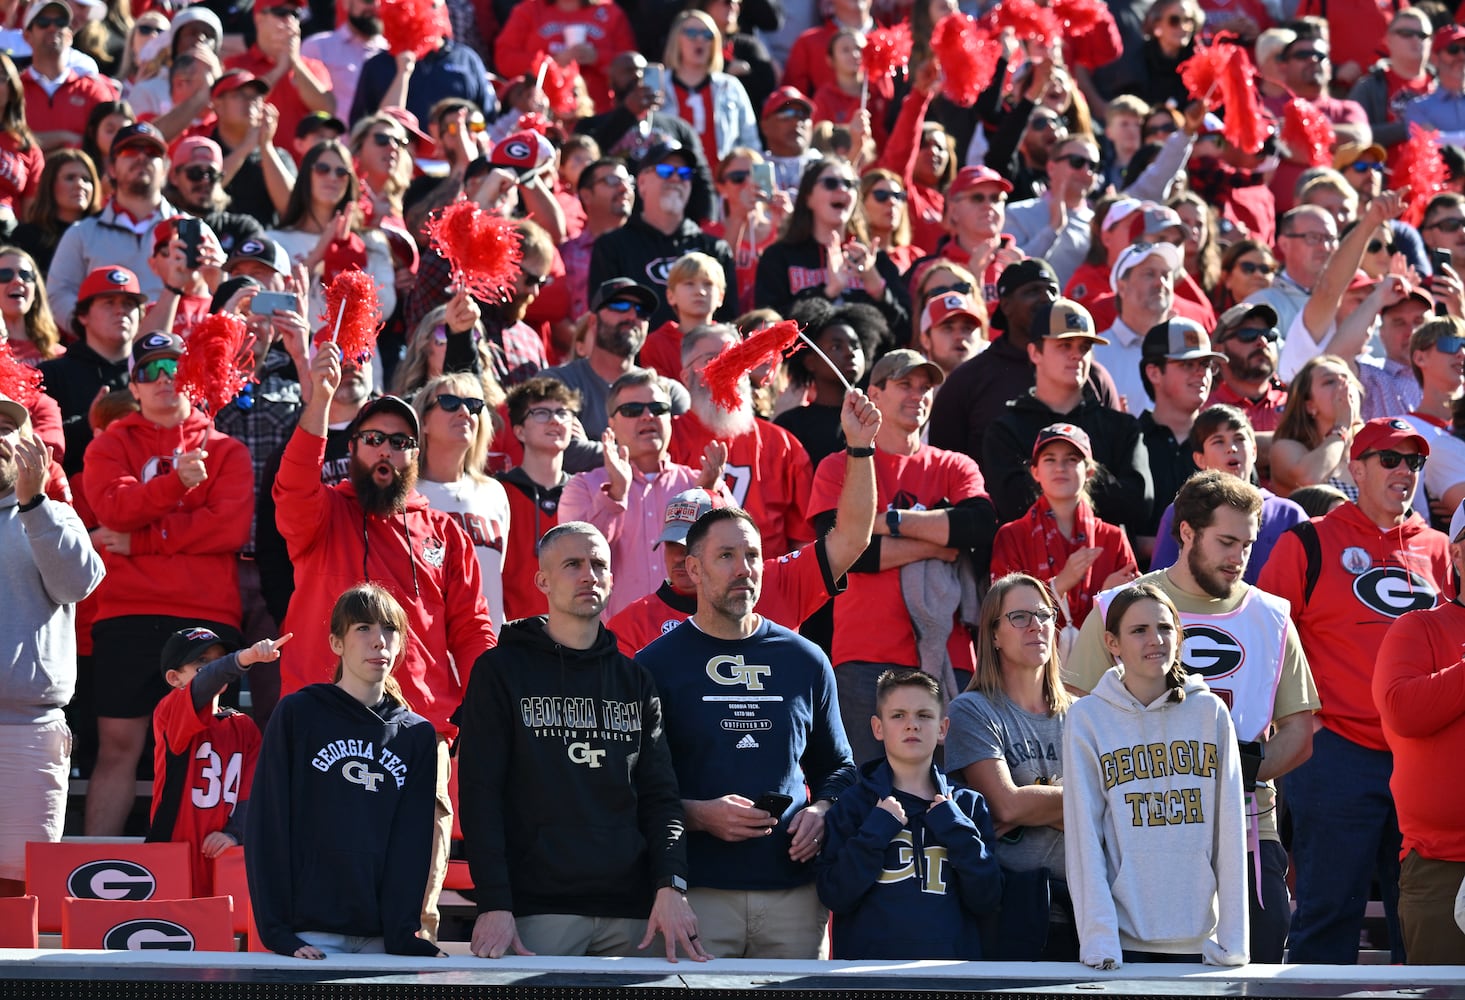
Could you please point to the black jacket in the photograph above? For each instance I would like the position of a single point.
(340, 837)
(641, 251)
(73, 380)
(621, 134)
(788, 272)
(568, 798)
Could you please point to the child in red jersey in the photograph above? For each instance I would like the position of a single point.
(204, 755)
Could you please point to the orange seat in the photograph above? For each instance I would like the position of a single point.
(205, 924)
(104, 870)
(18, 928)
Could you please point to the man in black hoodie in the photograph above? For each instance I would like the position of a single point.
(572, 821)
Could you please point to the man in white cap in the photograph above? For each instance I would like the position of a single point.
(58, 98)
(48, 565)
(1144, 293)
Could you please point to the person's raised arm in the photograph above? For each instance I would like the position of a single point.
(1322, 306)
(854, 517)
(325, 379)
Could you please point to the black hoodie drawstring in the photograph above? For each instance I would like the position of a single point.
(366, 552)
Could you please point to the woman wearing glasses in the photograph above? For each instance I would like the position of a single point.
(824, 253)
(698, 92)
(1170, 28)
(1247, 267)
(751, 217)
(30, 329)
(146, 52)
(883, 207)
(1006, 741)
(458, 426)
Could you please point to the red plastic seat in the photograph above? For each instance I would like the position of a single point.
(230, 880)
(205, 924)
(104, 870)
(18, 927)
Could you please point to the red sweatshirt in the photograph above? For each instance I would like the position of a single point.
(1033, 545)
(537, 26)
(662, 352)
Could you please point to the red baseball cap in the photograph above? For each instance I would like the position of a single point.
(1071, 433)
(1385, 432)
(1447, 35)
(110, 281)
(524, 153)
(237, 79)
(785, 96)
(972, 177)
(409, 122)
(943, 307)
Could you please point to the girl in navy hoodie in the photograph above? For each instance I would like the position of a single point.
(338, 852)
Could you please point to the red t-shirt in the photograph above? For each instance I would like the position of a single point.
(284, 96)
(1265, 414)
(205, 762)
(695, 108)
(870, 622)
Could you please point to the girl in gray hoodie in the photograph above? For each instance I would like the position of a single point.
(1152, 805)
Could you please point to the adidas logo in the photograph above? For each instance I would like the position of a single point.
(747, 743)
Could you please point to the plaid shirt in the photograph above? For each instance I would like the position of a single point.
(263, 416)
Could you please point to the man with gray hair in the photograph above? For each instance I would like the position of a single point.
(1306, 238)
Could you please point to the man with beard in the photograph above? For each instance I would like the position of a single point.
(767, 471)
(1240, 640)
(194, 187)
(377, 526)
(1247, 334)
(121, 235)
(607, 194)
(617, 326)
(258, 175)
(661, 232)
(49, 565)
(344, 52)
(1027, 165)
(58, 99)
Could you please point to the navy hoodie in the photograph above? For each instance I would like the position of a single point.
(918, 891)
(339, 838)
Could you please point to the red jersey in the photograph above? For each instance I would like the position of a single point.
(1367, 578)
(533, 510)
(1033, 545)
(794, 587)
(283, 96)
(203, 766)
(1419, 687)
(870, 622)
(662, 352)
(768, 473)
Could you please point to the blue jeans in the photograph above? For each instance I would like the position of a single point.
(1345, 832)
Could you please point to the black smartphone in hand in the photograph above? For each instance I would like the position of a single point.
(773, 803)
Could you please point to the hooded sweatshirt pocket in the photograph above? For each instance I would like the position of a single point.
(588, 860)
(1164, 895)
(347, 885)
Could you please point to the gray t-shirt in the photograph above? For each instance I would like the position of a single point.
(987, 729)
(595, 392)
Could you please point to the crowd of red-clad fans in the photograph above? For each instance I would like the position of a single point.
(1067, 287)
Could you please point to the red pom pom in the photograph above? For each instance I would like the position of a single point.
(414, 25)
(353, 315)
(1079, 16)
(18, 380)
(215, 365)
(1202, 73)
(968, 56)
(886, 50)
(1245, 125)
(1421, 167)
(1028, 21)
(484, 250)
(1307, 133)
(559, 82)
(724, 374)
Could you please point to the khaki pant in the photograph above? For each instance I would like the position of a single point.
(570, 934)
(770, 923)
(442, 836)
(1427, 891)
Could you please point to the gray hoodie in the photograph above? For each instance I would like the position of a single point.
(1153, 825)
(47, 564)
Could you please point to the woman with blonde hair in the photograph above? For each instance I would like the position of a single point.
(694, 63)
(751, 217)
(427, 351)
(1006, 741)
(29, 327)
(146, 52)
(886, 212)
(1310, 445)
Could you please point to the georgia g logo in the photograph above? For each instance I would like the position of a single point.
(657, 269)
(148, 935)
(112, 879)
(1393, 591)
(1211, 652)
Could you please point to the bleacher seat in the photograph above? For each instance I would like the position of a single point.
(204, 924)
(18, 926)
(104, 870)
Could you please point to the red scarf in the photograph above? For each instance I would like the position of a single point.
(1042, 524)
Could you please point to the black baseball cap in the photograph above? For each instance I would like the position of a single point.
(385, 404)
(623, 288)
(1015, 276)
(662, 151)
(188, 645)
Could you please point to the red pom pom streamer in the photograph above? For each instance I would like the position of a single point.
(483, 249)
(724, 374)
(18, 380)
(558, 82)
(1028, 21)
(215, 365)
(353, 314)
(414, 25)
(886, 50)
(1203, 72)
(1307, 133)
(1079, 16)
(1421, 167)
(1245, 125)
(968, 56)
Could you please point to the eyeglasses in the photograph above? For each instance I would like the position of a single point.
(1445, 225)
(634, 410)
(9, 274)
(197, 173)
(51, 21)
(375, 439)
(1413, 34)
(1450, 344)
(544, 414)
(156, 369)
(666, 171)
(148, 30)
(1314, 239)
(1251, 334)
(1078, 161)
(884, 195)
(788, 114)
(1250, 267)
(738, 177)
(322, 169)
(1374, 246)
(451, 404)
(837, 183)
(385, 139)
(1363, 166)
(1390, 459)
(625, 306)
(699, 34)
(1024, 619)
(535, 280)
(615, 181)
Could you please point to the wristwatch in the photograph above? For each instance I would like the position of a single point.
(673, 882)
(892, 522)
(854, 452)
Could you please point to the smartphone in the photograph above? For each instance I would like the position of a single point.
(773, 803)
(190, 231)
(764, 179)
(269, 303)
(654, 77)
(1439, 259)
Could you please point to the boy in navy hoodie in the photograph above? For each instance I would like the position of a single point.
(907, 868)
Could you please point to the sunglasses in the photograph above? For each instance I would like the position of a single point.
(626, 306)
(1449, 50)
(544, 414)
(1253, 268)
(284, 12)
(836, 183)
(1079, 162)
(1176, 21)
(1374, 246)
(535, 280)
(1023, 619)
(196, 173)
(666, 171)
(700, 34)
(633, 410)
(322, 169)
(1450, 344)
(1363, 166)
(739, 177)
(51, 21)
(1044, 123)
(452, 404)
(148, 30)
(788, 114)
(1251, 334)
(1165, 128)
(1446, 225)
(9, 274)
(1390, 459)
(375, 439)
(156, 369)
(385, 139)
(884, 195)
(1308, 55)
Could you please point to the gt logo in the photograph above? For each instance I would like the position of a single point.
(1393, 591)
(358, 773)
(115, 879)
(580, 753)
(148, 935)
(1211, 652)
(747, 675)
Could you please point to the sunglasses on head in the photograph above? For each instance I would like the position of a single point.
(883, 195)
(836, 183)
(1251, 334)
(375, 439)
(666, 171)
(322, 169)
(1446, 225)
(44, 21)
(1450, 344)
(156, 369)
(1252, 267)
(737, 176)
(197, 173)
(700, 34)
(1363, 166)
(1374, 246)
(625, 306)
(9, 274)
(1079, 161)
(452, 404)
(385, 139)
(633, 410)
(1390, 459)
